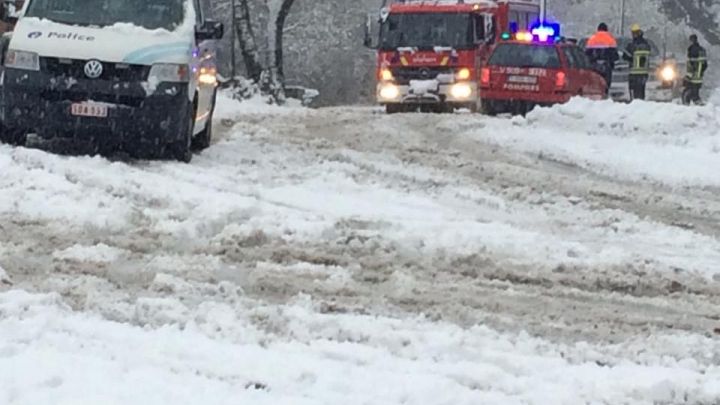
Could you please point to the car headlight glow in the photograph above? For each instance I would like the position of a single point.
(668, 74)
(389, 92)
(463, 74)
(22, 60)
(169, 72)
(461, 91)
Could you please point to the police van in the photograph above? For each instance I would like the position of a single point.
(136, 76)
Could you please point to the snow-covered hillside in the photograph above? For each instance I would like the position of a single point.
(345, 256)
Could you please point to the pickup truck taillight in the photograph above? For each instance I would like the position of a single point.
(485, 77)
(560, 80)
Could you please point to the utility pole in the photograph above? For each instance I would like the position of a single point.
(233, 33)
(622, 18)
(543, 11)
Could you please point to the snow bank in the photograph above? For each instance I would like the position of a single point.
(643, 141)
(231, 109)
(324, 359)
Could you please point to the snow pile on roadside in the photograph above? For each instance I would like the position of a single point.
(228, 108)
(665, 143)
(309, 358)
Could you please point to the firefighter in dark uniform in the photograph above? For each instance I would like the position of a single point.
(638, 54)
(697, 64)
(601, 48)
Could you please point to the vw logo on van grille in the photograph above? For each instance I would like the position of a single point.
(93, 69)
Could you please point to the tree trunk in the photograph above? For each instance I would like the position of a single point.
(279, 31)
(248, 43)
(698, 15)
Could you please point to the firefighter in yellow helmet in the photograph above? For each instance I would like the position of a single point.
(697, 64)
(637, 53)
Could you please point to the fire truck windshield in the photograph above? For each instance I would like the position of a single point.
(426, 30)
(525, 55)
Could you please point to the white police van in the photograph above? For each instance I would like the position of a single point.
(125, 75)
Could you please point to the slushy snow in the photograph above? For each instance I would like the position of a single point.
(48, 354)
(160, 282)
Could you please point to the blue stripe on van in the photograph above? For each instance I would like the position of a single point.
(152, 53)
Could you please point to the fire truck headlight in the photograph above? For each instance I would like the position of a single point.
(463, 74)
(386, 75)
(389, 92)
(461, 91)
(668, 74)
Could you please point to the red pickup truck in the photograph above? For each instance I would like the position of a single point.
(524, 72)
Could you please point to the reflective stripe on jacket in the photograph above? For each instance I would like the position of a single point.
(697, 64)
(640, 62)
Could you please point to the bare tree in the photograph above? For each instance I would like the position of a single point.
(699, 15)
(268, 72)
(248, 42)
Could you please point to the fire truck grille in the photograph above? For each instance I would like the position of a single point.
(406, 74)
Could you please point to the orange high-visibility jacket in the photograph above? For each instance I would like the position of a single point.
(601, 39)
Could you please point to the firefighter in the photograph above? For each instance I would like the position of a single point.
(697, 64)
(638, 54)
(601, 48)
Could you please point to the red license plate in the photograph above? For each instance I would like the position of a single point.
(89, 110)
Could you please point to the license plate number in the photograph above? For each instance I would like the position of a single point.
(89, 110)
(523, 79)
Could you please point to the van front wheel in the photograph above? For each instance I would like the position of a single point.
(180, 149)
(202, 140)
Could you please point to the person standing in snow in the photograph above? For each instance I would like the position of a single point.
(638, 54)
(602, 50)
(697, 64)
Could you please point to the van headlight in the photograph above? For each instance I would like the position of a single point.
(461, 91)
(22, 60)
(169, 72)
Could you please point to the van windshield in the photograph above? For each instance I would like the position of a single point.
(150, 14)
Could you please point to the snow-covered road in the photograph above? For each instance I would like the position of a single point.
(341, 255)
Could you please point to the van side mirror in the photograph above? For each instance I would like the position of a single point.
(210, 30)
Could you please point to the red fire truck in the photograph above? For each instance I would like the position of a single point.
(430, 52)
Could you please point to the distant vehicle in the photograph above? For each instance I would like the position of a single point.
(136, 76)
(527, 71)
(430, 52)
(664, 84)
